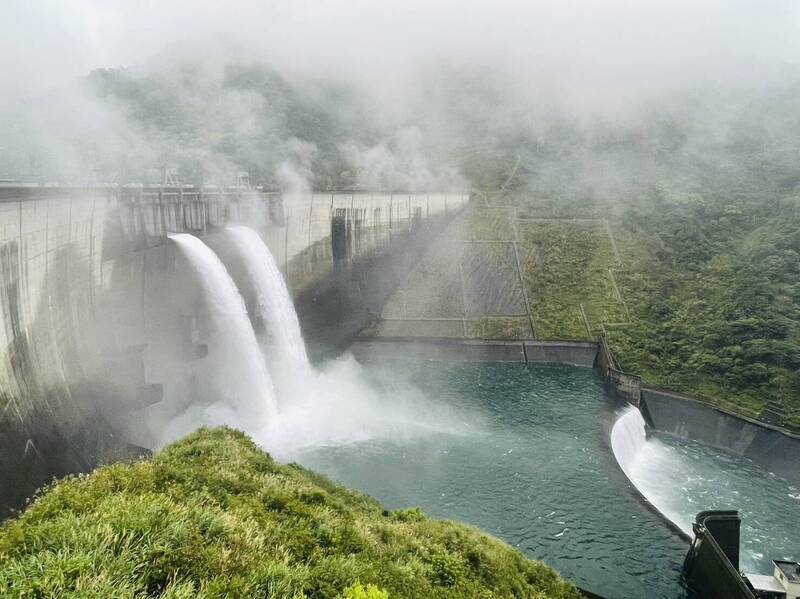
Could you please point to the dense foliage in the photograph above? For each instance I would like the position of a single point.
(715, 290)
(212, 516)
(703, 199)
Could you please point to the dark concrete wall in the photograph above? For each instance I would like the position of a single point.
(686, 418)
(577, 353)
(773, 449)
(707, 569)
(466, 350)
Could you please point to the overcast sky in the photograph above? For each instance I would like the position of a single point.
(614, 44)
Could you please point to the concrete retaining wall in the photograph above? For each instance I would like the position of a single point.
(468, 350)
(577, 353)
(708, 569)
(686, 418)
(771, 448)
(624, 386)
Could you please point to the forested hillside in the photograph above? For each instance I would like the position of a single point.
(714, 288)
(704, 205)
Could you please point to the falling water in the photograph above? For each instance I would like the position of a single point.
(243, 394)
(274, 302)
(681, 478)
(628, 437)
(337, 404)
(629, 443)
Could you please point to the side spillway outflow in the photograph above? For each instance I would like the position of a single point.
(629, 443)
(628, 437)
(282, 327)
(241, 381)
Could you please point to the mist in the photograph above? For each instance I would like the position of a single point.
(388, 95)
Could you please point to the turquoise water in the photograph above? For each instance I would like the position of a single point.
(682, 478)
(536, 471)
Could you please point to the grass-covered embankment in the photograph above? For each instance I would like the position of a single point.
(492, 274)
(213, 516)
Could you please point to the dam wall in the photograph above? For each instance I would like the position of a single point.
(101, 318)
(622, 385)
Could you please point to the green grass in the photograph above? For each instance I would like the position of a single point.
(212, 516)
(491, 281)
(509, 327)
(566, 263)
(483, 224)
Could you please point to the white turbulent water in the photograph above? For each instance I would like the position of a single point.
(682, 478)
(274, 302)
(235, 377)
(628, 437)
(342, 403)
(335, 405)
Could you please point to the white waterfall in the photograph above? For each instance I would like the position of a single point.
(235, 376)
(647, 464)
(334, 404)
(275, 305)
(628, 438)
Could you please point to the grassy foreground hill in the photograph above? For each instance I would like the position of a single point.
(213, 516)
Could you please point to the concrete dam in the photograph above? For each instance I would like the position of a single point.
(102, 334)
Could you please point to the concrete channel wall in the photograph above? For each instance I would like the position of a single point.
(774, 450)
(373, 349)
(711, 567)
(101, 321)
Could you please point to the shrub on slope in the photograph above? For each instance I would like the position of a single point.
(213, 516)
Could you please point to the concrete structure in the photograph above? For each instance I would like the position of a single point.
(765, 587)
(99, 312)
(788, 575)
(783, 584)
(711, 568)
(773, 449)
(622, 385)
(375, 349)
(712, 562)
